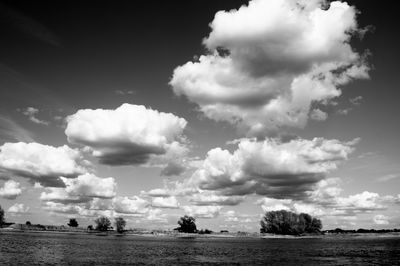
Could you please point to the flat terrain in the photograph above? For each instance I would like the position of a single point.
(29, 248)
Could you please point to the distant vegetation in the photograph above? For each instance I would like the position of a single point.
(102, 223)
(73, 223)
(289, 223)
(187, 224)
(205, 232)
(1, 216)
(120, 224)
(361, 231)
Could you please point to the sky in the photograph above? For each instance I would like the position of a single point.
(221, 110)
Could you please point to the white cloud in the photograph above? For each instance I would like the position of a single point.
(356, 100)
(31, 113)
(41, 163)
(381, 219)
(165, 202)
(365, 201)
(131, 205)
(202, 211)
(210, 198)
(278, 58)
(130, 134)
(270, 167)
(18, 208)
(270, 204)
(81, 189)
(10, 190)
(318, 115)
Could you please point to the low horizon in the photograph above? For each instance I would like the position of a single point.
(220, 110)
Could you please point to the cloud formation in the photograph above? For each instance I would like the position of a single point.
(270, 61)
(10, 190)
(270, 167)
(165, 202)
(41, 163)
(130, 134)
(31, 113)
(81, 189)
(325, 200)
(202, 211)
(18, 208)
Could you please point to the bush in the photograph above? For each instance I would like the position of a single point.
(289, 223)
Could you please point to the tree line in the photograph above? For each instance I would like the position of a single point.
(275, 222)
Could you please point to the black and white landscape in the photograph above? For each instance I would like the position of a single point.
(229, 129)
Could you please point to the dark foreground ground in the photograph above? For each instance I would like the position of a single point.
(27, 248)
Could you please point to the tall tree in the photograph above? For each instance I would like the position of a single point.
(102, 223)
(120, 224)
(187, 224)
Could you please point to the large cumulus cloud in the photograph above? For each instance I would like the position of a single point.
(41, 163)
(270, 62)
(130, 134)
(270, 167)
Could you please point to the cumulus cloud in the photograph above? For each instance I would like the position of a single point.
(117, 206)
(210, 198)
(381, 219)
(270, 167)
(81, 189)
(41, 163)
(271, 204)
(325, 200)
(18, 208)
(10, 190)
(270, 61)
(365, 201)
(202, 211)
(31, 113)
(165, 202)
(318, 115)
(130, 134)
(131, 205)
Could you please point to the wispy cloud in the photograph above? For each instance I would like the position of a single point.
(10, 130)
(31, 113)
(125, 92)
(389, 177)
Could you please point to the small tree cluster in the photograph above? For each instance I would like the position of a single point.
(289, 223)
(187, 224)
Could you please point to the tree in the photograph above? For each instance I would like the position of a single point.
(102, 223)
(1, 216)
(28, 223)
(289, 223)
(90, 228)
(187, 224)
(120, 224)
(73, 223)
